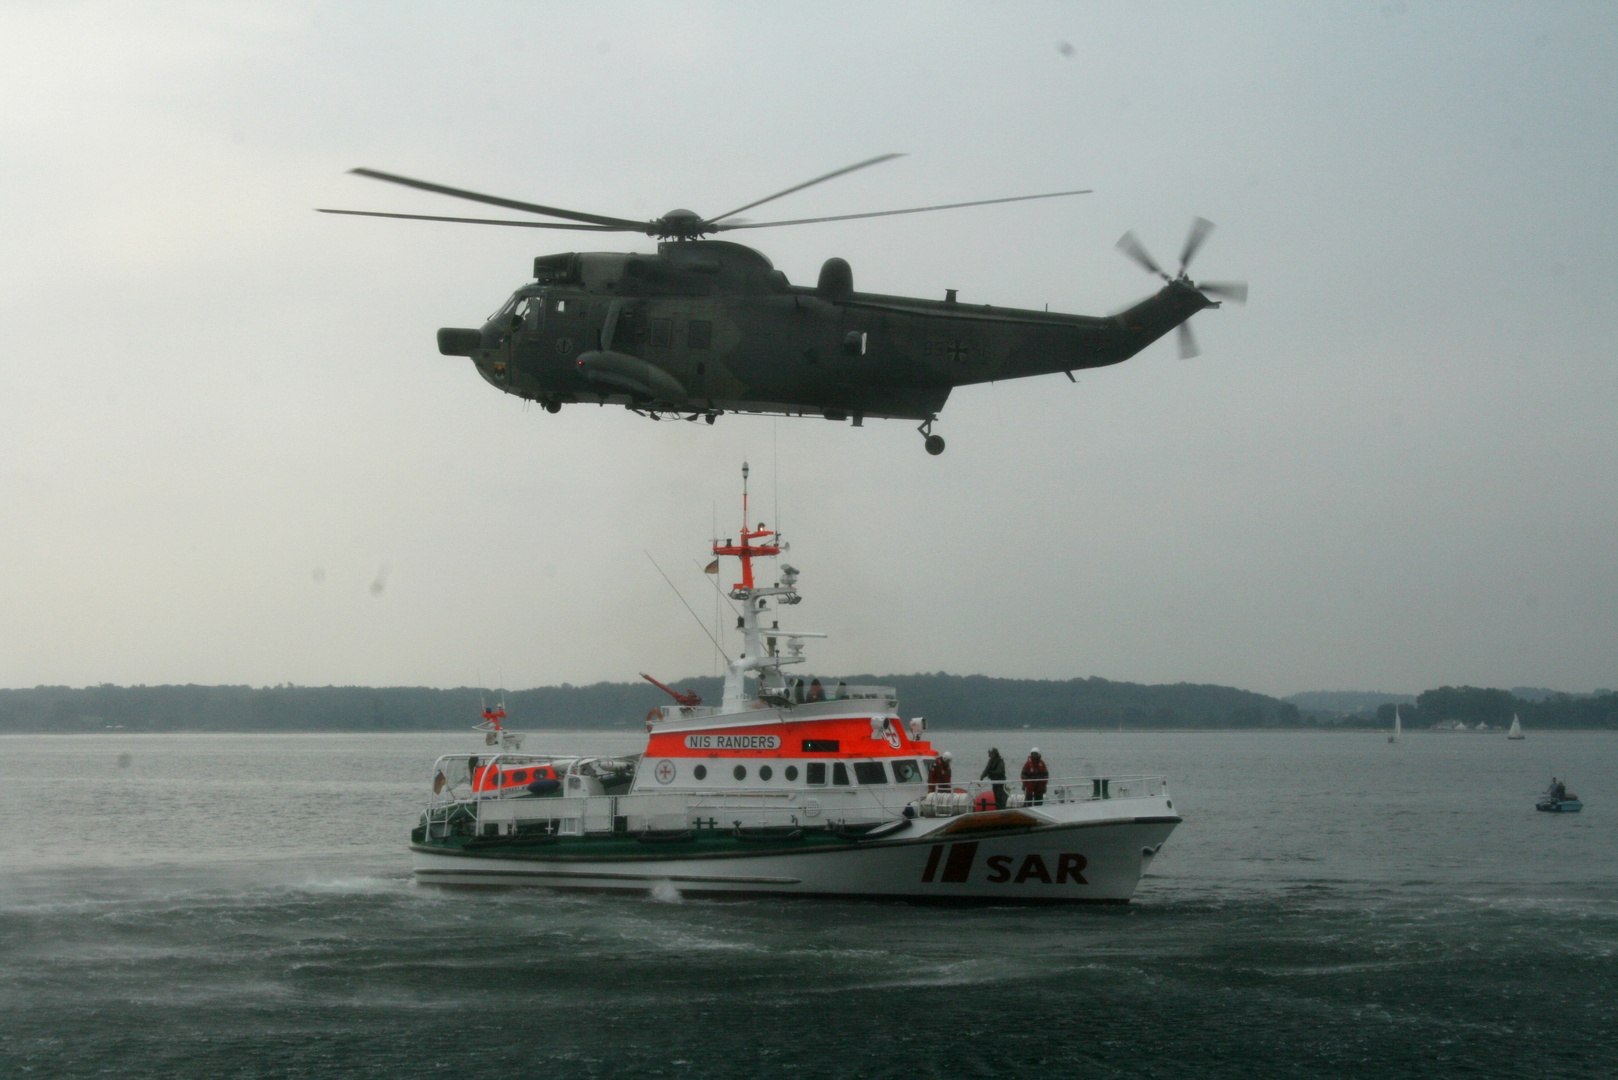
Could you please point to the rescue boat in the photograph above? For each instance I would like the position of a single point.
(790, 785)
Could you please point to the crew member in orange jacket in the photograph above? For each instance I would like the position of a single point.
(938, 774)
(1034, 777)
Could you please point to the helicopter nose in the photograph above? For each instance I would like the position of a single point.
(454, 341)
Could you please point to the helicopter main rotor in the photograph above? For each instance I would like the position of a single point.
(674, 225)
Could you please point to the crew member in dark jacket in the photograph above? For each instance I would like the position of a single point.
(938, 776)
(1034, 777)
(995, 773)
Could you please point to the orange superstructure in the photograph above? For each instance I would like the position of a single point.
(832, 737)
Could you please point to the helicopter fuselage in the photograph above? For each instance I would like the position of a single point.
(708, 326)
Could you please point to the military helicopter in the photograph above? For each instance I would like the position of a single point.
(706, 327)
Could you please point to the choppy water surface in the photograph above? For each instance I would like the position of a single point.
(239, 906)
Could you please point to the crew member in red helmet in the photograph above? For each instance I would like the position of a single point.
(1035, 775)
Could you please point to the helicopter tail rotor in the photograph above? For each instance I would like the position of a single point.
(1187, 341)
(1132, 247)
(1235, 291)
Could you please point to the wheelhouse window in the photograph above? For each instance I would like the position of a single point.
(699, 335)
(839, 773)
(906, 772)
(815, 772)
(870, 772)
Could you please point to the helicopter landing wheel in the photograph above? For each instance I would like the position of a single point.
(711, 417)
(553, 406)
(934, 444)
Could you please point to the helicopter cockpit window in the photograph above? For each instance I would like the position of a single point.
(507, 308)
(529, 312)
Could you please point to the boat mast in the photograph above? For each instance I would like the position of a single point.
(754, 655)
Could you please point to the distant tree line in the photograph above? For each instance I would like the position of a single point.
(1473, 705)
(948, 701)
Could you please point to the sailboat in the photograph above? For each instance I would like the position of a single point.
(1398, 728)
(1516, 728)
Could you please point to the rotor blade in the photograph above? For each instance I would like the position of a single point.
(890, 213)
(1200, 228)
(810, 183)
(1135, 250)
(1188, 342)
(1228, 290)
(494, 200)
(485, 221)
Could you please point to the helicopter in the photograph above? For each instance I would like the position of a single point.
(705, 327)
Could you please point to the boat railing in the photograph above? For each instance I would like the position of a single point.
(1058, 789)
(1066, 789)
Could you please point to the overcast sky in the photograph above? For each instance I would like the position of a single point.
(230, 453)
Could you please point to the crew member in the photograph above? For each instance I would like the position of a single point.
(995, 773)
(1034, 777)
(938, 774)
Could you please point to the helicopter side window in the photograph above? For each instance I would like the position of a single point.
(700, 334)
(662, 332)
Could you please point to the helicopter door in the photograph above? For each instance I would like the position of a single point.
(694, 344)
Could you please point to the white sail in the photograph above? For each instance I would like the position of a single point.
(1516, 728)
(1398, 728)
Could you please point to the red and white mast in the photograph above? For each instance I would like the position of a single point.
(755, 601)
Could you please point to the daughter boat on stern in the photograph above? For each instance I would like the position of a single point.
(788, 786)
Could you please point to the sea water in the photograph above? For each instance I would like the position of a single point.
(184, 906)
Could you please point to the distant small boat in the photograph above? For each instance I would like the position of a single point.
(1559, 800)
(1398, 728)
(1516, 728)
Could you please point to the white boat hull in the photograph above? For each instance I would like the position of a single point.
(960, 859)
